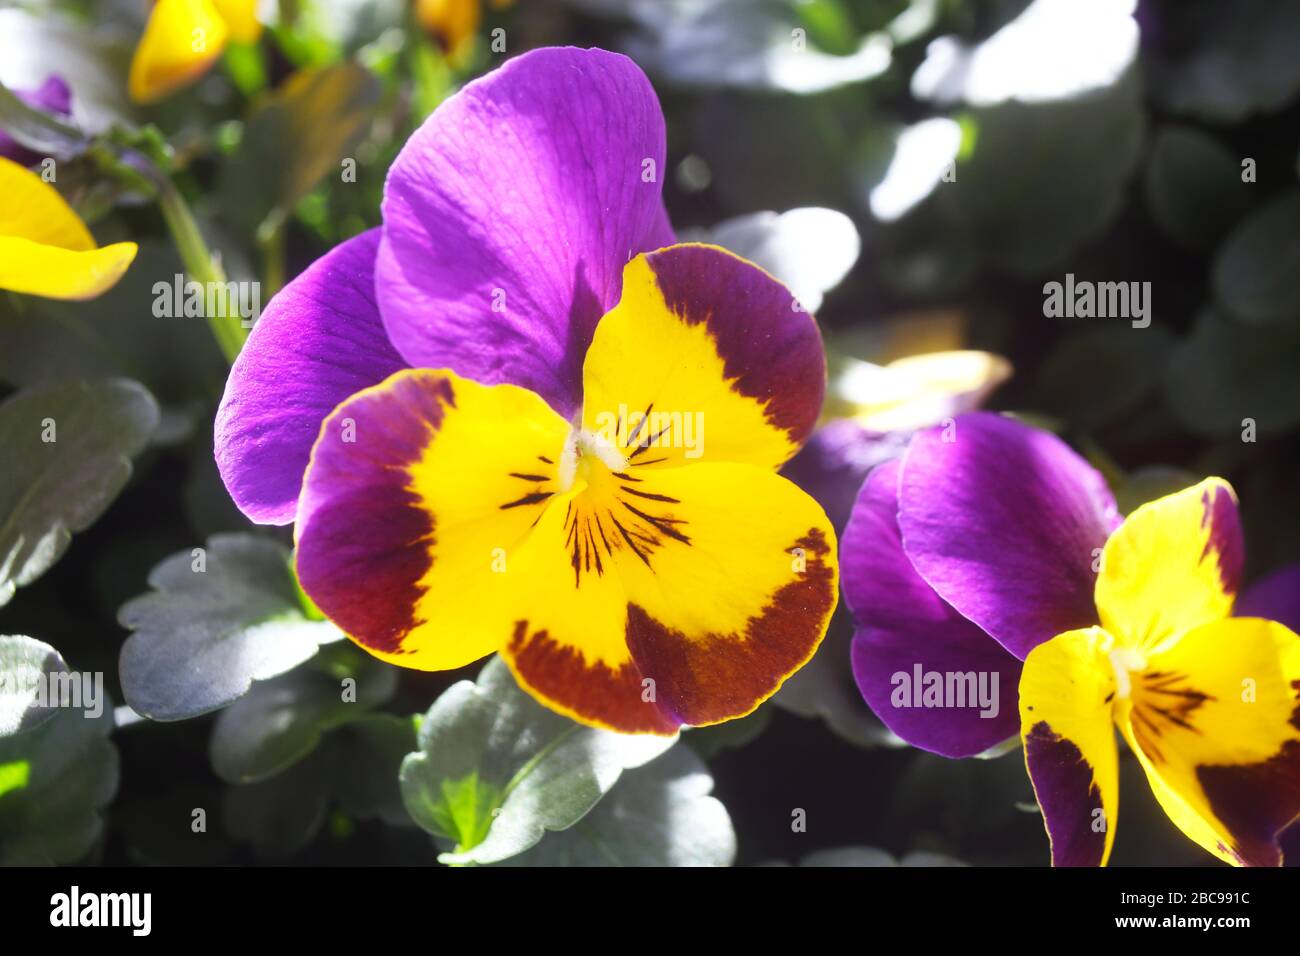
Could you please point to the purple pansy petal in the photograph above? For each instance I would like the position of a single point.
(319, 341)
(53, 96)
(836, 459)
(1003, 521)
(906, 635)
(510, 214)
(1275, 597)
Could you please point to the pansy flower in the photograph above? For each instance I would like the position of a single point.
(54, 97)
(517, 418)
(991, 543)
(181, 41)
(454, 23)
(45, 248)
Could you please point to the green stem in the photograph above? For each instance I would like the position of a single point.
(270, 240)
(226, 324)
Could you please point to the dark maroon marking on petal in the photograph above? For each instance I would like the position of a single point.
(772, 353)
(1224, 524)
(650, 441)
(1067, 791)
(630, 543)
(365, 540)
(625, 477)
(649, 496)
(663, 525)
(545, 459)
(1256, 802)
(530, 499)
(652, 461)
(645, 417)
(706, 678)
(527, 477)
(595, 691)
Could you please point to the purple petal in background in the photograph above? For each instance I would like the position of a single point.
(509, 215)
(833, 464)
(319, 341)
(1002, 520)
(1275, 597)
(54, 97)
(905, 632)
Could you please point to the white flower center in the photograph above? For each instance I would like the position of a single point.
(1125, 661)
(579, 448)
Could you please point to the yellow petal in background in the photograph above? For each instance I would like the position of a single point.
(181, 41)
(454, 22)
(241, 19)
(45, 249)
(918, 390)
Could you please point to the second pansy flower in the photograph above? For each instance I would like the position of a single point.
(523, 429)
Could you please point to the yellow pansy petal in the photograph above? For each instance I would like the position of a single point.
(1215, 720)
(451, 21)
(731, 579)
(705, 358)
(418, 494)
(241, 19)
(1173, 564)
(33, 209)
(1066, 693)
(567, 645)
(181, 41)
(55, 273)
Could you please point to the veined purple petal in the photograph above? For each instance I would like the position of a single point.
(932, 676)
(54, 97)
(1005, 522)
(509, 215)
(319, 341)
(1275, 597)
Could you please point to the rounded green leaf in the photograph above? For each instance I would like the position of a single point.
(68, 450)
(280, 721)
(219, 618)
(1257, 269)
(660, 814)
(54, 782)
(496, 769)
(26, 668)
(1193, 186)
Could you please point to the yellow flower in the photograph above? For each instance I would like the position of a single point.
(182, 40)
(45, 249)
(453, 22)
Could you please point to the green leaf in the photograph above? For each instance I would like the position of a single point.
(281, 815)
(710, 741)
(26, 666)
(372, 749)
(1193, 186)
(1226, 372)
(299, 135)
(1103, 374)
(68, 450)
(1222, 62)
(657, 815)
(1257, 269)
(218, 619)
(496, 769)
(54, 782)
(280, 721)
